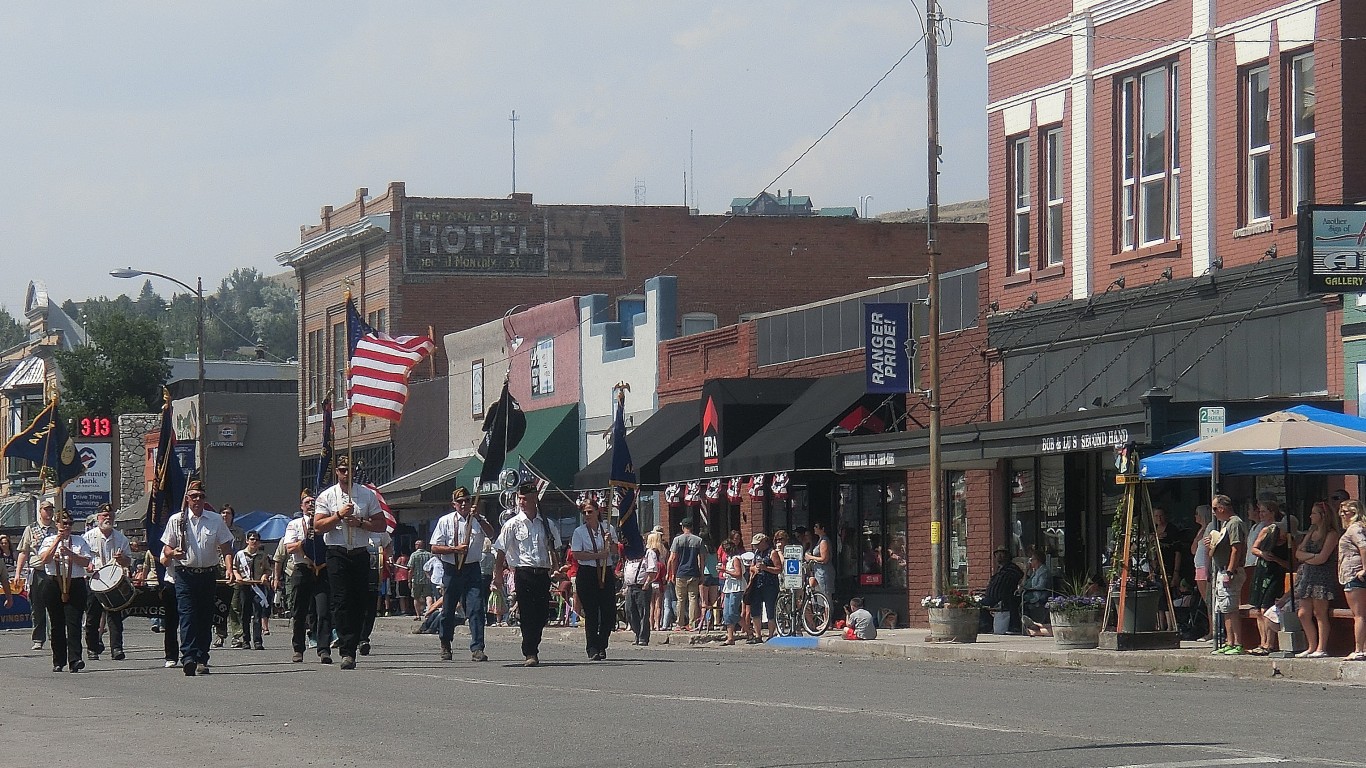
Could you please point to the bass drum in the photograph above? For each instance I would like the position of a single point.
(112, 587)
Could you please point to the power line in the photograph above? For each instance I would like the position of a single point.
(1147, 39)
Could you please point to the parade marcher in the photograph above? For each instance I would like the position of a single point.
(165, 594)
(424, 592)
(65, 558)
(309, 591)
(639, 575)
(107, 546)
(346, 514)
(38, 581)
(230, 625)
(199, 543)
(378, 546)
(594, 545)
(250, 568)
(529, 545)
(457, 536)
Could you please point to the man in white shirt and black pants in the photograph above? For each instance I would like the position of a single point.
(107, 545)
(595, 547)
(199, 544)
(528, 544)
(309, 593)
(457, 535)
(346, 514)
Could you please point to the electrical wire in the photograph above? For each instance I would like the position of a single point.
(1147, 39)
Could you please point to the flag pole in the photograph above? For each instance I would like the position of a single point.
(478, 486)
(350, 449)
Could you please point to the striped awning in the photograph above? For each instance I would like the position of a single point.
(30, 372)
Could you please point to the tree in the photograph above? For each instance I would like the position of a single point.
(121, 370)
(11, 331)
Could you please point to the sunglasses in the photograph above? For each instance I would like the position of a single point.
(194, 495)
(343, 469)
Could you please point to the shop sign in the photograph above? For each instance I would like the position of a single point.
(868, 460)
(870, 579)
(888, 347)
(85, 494)
(1083, 441)
(711, 436)
(227, 430)
(1332, 248)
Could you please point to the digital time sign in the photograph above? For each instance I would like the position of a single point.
(95, 426)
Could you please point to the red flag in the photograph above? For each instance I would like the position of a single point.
(389, 522)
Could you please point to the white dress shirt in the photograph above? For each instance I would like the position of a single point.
(298, 530)
(204, 534)
(330, 501)
(586, 539)
(106, 549)
(450, 532)
(524, 544)
(60, 564)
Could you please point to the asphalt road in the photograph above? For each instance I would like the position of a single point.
(662, 706)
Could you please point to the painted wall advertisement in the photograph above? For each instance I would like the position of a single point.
(85, 494)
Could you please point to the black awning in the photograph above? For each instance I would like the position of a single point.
(796, 438)
(656, 439)
(685, 465)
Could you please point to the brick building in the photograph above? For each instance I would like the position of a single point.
(1147, 161)
(453, 263)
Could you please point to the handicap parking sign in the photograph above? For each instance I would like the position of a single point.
(794, 568)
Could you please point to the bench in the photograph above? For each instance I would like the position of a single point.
(1340, 628)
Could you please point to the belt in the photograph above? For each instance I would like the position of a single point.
(533, 569)
(205, 569)
(337, 549)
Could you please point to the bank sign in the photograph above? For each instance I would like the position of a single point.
(1332, 248)
(888, 347)
(85, 494)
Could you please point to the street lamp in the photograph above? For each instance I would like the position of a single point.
(198, 291)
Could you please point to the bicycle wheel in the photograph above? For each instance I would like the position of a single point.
(784, 619)
(816, 613)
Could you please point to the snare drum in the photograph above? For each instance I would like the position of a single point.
(112, 587)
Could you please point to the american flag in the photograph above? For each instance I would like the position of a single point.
(389, 522)
(379, 366)
(733, 490)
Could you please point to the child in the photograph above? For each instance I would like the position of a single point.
(860, 624)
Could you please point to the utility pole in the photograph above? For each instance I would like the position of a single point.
(931, 249)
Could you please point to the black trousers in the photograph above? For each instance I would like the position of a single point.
(170, 622)
(638, 612)
(94, 609)
(64, 620)
(348, 574)
(371, 606)
(37, 600)
(310, 595)
(533, 606)
(599, 603)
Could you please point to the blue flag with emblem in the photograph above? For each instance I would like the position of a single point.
(168, 484)
(324, 476)
(624, 482)
(46, 443)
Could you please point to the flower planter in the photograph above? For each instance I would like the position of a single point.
(953, 625)
(1076, 629)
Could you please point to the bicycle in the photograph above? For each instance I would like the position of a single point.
(808, 608)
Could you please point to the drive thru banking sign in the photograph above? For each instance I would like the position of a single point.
(888, 347)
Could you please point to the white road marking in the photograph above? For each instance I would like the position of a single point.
(1203, 763)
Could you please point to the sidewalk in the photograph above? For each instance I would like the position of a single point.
(1013, 650)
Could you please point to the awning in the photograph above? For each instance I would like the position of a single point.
(135, 512)
(551, 445)
(17, 511)
(656, 440)
(431, 484)
(1303, 461)
(685, 465)
(742, 407)
(29, 373)
(796, 438)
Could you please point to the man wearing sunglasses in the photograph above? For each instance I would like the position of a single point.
(200, 546)
(346, 514)
(65, 558)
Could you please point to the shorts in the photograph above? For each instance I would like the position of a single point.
(1354, 584)
(710, 581)
(403, 589)
(1226, 596)
(731, 609)
(422, 590)
(1202, 573)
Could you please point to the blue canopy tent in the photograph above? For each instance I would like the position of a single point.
(1309, 461)
(272, 528)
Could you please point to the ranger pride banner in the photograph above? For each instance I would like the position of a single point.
(887, 356)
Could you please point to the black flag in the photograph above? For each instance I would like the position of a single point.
(46, 443)
(503, 430)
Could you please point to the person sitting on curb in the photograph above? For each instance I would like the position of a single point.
(860, 624)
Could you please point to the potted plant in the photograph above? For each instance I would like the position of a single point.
(953, 616)
(1076, 620)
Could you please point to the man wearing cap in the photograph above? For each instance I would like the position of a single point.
(346, 514)
(250, 568)
(308, 588)
(38, 581)
(199, 544)
(529, 544)
(65, 556)
(687, 557)
(460, 535)
(107, 546)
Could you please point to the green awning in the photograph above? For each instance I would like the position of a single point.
(551, 445)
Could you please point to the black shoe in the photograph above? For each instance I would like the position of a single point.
(593, 654)
(58, 668)
(258, 647)
(324, 658)
(118, 656)
(77, 665)
(202, 669)
(446, 654)
(602, 656)
(348, 662)
(92, 656)
(189, 668)
(365, 648)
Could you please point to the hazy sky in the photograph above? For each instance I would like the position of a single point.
(194, 138)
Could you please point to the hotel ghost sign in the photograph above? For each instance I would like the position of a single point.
(1083, 441)
(508, 237)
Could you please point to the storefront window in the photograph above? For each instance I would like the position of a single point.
(790, 513)
(958, 529)
(846, 531)
(1052, 477)
(894, 560)
(1024, 515)
(870, 535)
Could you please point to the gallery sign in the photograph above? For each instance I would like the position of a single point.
(1332, 248)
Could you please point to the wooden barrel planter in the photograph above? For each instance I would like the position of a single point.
(1076, 629)
(953, 625)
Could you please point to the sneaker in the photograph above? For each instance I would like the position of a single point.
(592, 654)
(531, 661)
(189, 668)
(58, 668)
(119, 656)
(93, 656)
(218, 643)
(77, 665)
(297, 657)
(1233, 650)
(325, 658)
(446, 654)
(478, 656)
(170, 663)
(238, 644)
(37, 646)
(365, 648)
(202, 669)
(348, 662)
(602, 656)
(1218, 650)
